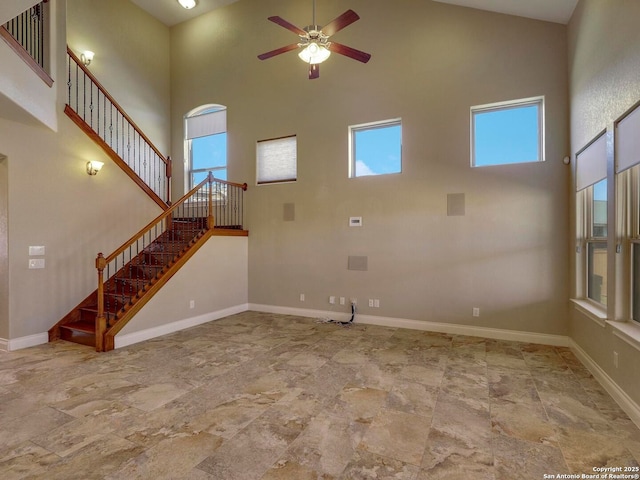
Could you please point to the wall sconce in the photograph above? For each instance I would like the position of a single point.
(188, 4)
(93, 167)
(86, 57)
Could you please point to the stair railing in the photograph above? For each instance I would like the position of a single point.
(126, 273)
(111, 127)
(26, 34)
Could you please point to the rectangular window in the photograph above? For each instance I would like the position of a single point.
(629, 183)
(507, 132)
(375, 148)
(597, 243)
(277, 160)
(635, 282)
(208, 154)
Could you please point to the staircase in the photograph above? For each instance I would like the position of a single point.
(129, 277)
(130, 284)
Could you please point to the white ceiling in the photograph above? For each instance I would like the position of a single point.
(558, 11)
(171, 13)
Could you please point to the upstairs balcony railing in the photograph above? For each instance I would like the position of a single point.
(27, 34)
(108, 124)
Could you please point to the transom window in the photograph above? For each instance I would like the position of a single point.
(592, 227)
(375, 148)
(507, 132)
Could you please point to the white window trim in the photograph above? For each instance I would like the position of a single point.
(504, 105)
(370, 126)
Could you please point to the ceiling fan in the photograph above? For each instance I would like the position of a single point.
(314, 41)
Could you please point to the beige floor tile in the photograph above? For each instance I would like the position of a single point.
(268, 396)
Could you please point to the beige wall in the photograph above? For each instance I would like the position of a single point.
(430, 63)
(604, 61)
(4, 249)
(131, 61)
(53, 202)
(215, 278)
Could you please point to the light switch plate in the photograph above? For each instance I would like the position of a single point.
(36, 263)
(36, 250)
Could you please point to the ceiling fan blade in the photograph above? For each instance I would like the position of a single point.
(347, 18)
(349, 52)
(278, 51)
(314, 70)
(289, 26)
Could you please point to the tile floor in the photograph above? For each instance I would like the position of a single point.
(263, 396)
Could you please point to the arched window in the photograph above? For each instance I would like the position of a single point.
(205, 144)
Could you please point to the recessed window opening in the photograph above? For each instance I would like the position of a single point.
(507, 132)
(375, 148)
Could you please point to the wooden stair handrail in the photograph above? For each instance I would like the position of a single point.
(116, 105)
(113, 155)
(24, 55)
(168, 212)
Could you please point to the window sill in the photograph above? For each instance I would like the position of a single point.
(593, 312)
(628, 332)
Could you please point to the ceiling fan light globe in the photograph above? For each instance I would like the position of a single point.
(188, 4)
(314, 53)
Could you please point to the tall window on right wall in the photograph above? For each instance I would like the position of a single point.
(509, 132)
(627, 167)
(592, 228)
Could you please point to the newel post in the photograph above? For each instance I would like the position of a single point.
(101, 321)
(210, 219)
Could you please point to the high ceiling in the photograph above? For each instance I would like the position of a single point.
(558, 11)
(171, 13)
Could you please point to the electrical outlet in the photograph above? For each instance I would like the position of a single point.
(342, 300)
(192, 304)
(332, 300)
(371, 302)
(615, 359)
(36, 263)
(376, 303)
(476, 312)
(302, 297)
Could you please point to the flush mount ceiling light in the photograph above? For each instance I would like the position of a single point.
(188, 4)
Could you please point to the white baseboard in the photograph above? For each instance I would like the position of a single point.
(449, 328)
(149, 333)
(627, 404)
(23, 342)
